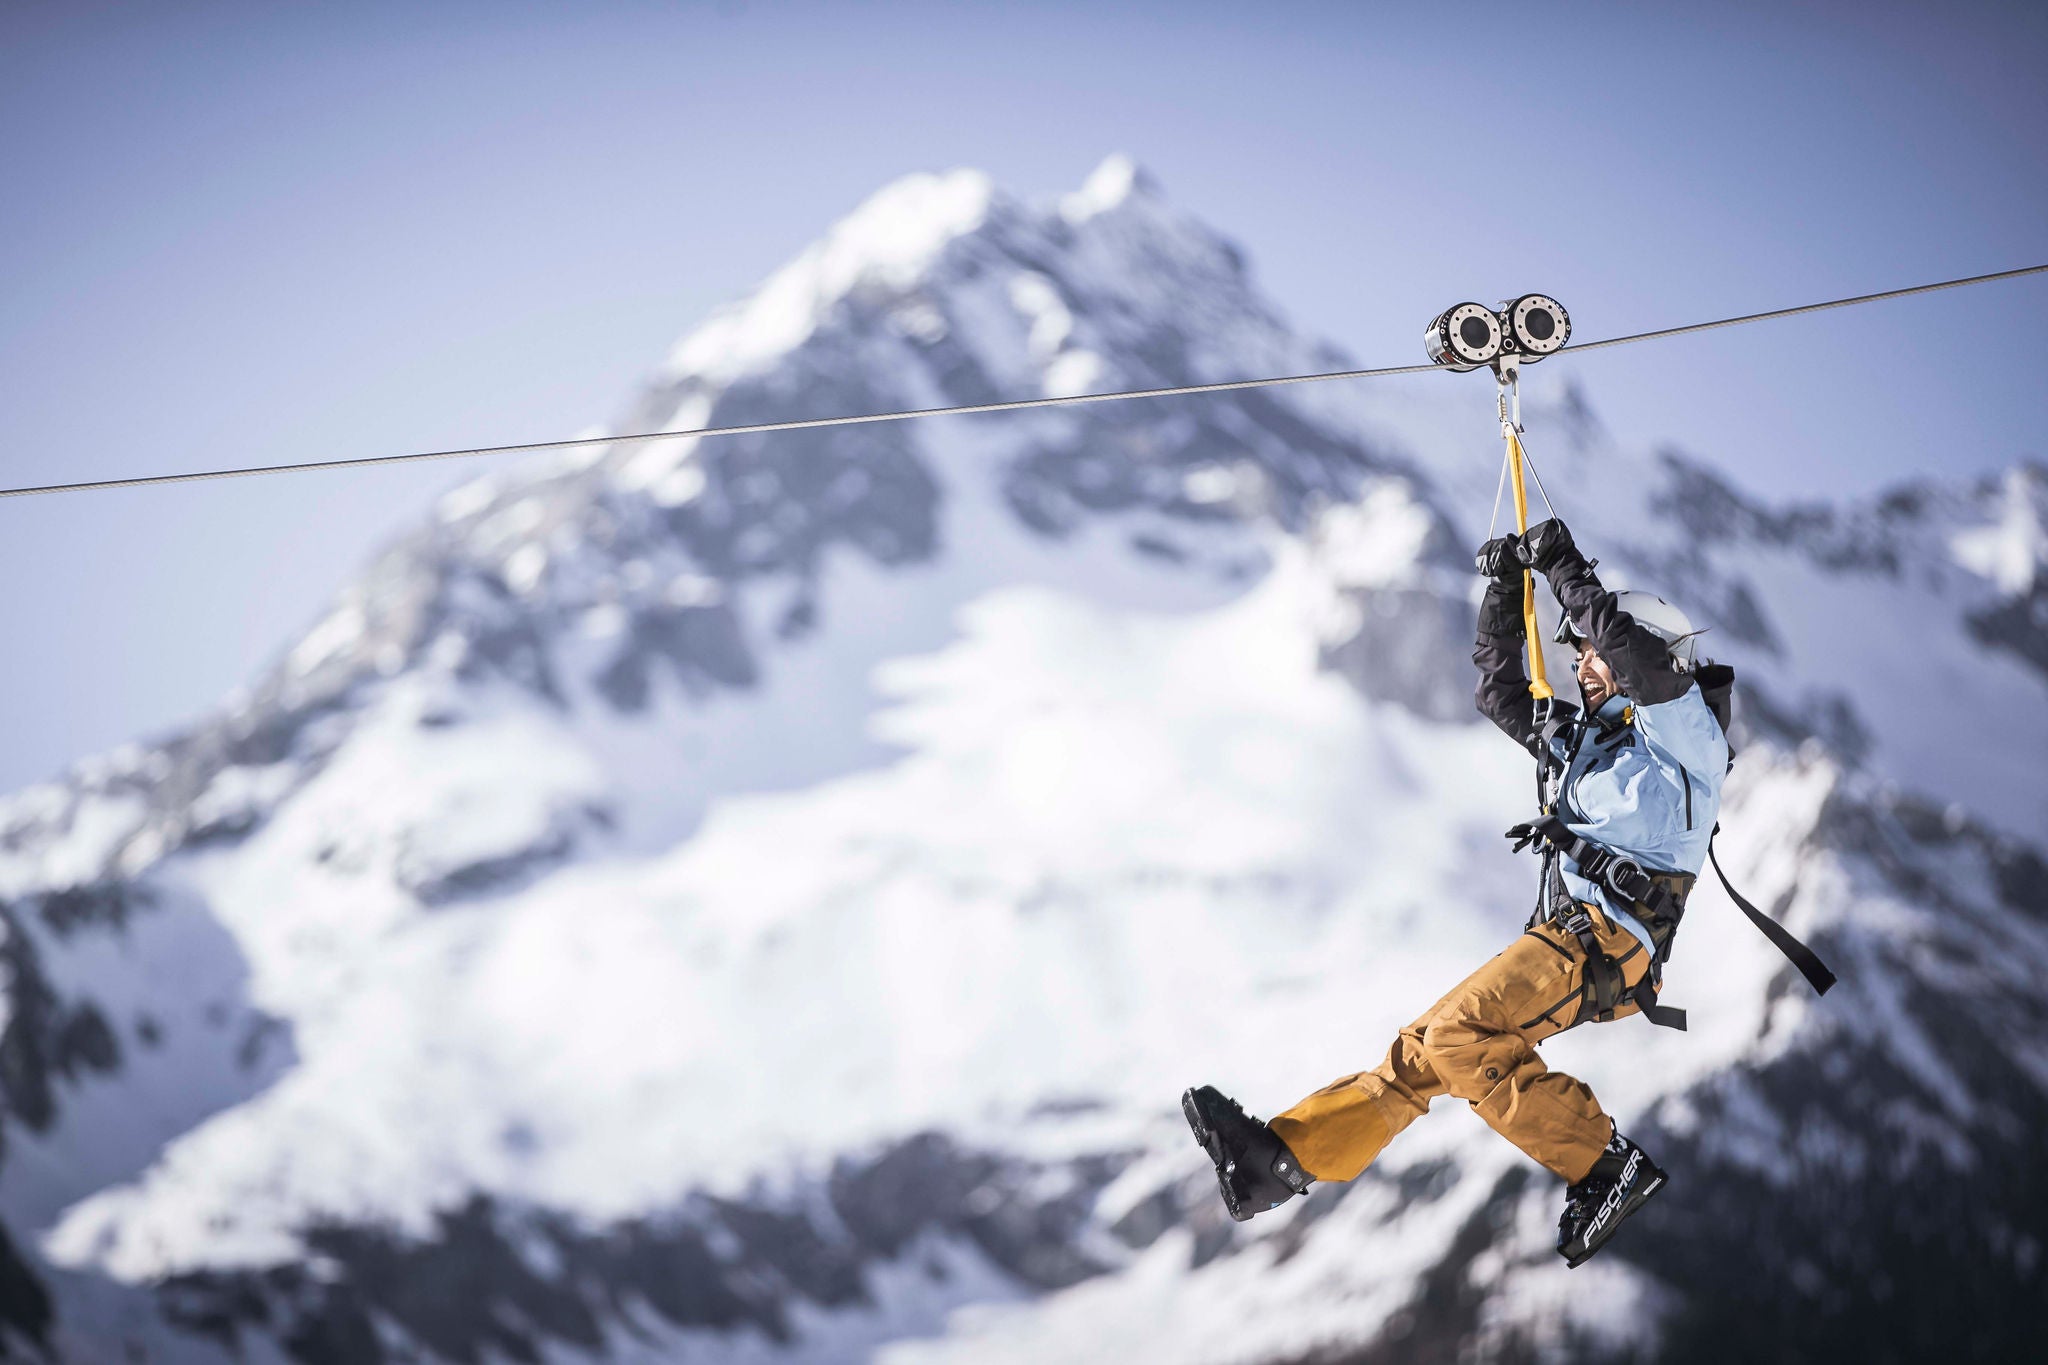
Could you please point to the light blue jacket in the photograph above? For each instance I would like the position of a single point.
(1651, 790)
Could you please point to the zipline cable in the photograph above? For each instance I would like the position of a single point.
(1808, 308)
(1013, 405)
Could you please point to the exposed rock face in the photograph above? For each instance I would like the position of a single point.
(490, 1281)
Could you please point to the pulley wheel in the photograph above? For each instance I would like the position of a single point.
(1464, 337)
(1538, 324)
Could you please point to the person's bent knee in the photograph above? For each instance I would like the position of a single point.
(1470, 1063)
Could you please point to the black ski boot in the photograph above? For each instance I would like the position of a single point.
(1254, 1167)
(1621, 1182)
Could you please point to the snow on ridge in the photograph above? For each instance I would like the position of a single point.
(1109, 186)
(2011, 548)
(890, 239)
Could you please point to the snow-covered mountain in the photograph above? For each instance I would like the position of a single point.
(760, 899)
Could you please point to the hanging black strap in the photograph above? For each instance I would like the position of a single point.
(1663, 1016)
(1798, 954)
(1605, 982)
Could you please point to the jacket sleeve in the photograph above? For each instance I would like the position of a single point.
(1641, 661)
(1503, 681)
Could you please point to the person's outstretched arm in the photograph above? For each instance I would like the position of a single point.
(1503, 695)
(1641, 660)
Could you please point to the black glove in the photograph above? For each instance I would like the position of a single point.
(1524, 835)
(1544, 542)
(1499, 558)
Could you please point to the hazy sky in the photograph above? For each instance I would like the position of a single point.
(263, 233)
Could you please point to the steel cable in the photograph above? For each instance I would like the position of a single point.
(1013, 405)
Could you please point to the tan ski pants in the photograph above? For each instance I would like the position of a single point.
(1479, 1044)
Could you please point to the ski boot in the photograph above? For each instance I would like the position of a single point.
(1621, 1182)
(1254, 1167)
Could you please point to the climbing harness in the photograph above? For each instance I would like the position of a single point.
(1655, 899)
(1465, 337)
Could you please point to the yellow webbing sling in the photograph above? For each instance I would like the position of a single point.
(1539, 683)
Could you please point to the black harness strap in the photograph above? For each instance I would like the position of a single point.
(1555, 717)
(1663, 1016)
(1798, 954)
(1603, 984)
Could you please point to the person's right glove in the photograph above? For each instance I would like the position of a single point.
(1500, 558)
(1544, 542)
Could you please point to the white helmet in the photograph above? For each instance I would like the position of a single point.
(1655, 615)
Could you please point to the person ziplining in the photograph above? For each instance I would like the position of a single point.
(1629, 791)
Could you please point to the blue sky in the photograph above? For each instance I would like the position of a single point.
(260, 233)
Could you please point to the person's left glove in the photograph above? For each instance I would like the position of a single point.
(1544, 543)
